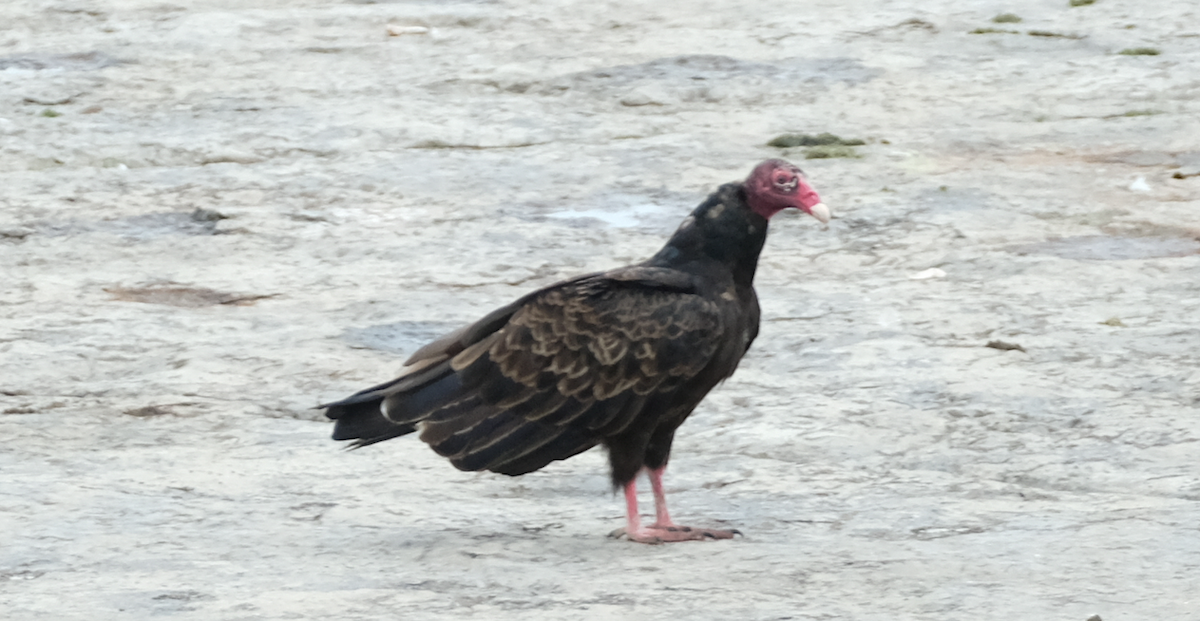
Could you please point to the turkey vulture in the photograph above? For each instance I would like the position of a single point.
(618, 358)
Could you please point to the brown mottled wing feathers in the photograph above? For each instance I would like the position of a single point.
(600, 345)
(572, 365)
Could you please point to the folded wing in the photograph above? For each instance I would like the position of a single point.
(548, 376)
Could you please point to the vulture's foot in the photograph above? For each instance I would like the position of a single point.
(671, 533)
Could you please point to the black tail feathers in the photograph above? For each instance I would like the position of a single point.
(364, 423)
(360, 417)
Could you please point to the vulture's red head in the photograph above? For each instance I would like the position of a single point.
(775, 185)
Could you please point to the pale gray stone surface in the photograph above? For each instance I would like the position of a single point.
(160, 362)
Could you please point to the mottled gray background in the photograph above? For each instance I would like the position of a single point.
(160, 361)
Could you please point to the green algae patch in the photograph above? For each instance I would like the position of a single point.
(1053, 35)
(819, 146)
(1140, 51)
(787, 141)
(830, 151)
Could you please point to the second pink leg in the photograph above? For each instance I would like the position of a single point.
(663, 530)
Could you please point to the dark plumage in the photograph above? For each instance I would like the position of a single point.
(618, 358)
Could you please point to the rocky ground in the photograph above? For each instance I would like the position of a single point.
(215, 215)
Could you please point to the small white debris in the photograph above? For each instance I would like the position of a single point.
(1139, 185)
(394, 30)
(651, 95)
(933, 272)
(636, 98)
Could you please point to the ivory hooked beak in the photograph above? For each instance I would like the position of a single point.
(820, 212)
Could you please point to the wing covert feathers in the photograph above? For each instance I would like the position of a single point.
(552, 374)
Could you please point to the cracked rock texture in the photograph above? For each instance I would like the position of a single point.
(215, 215)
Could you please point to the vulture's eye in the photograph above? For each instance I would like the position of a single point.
(785, 181)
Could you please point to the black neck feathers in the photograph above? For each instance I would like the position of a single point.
(722, 233)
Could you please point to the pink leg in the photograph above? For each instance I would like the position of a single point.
(663, 530)
(662, 518)
(633, 521)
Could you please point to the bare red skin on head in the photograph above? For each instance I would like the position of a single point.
(775, 185)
